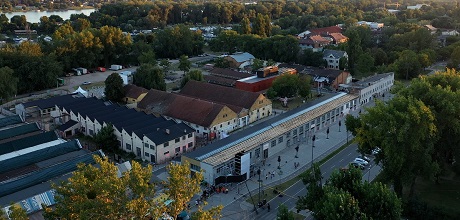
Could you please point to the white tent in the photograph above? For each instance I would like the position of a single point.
(82, 91)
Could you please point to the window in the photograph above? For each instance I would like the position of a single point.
(177, 149)
(301, 130)
(273, 143)
(167, 152)
(177, 140)
(152, 147)
(128, 146)
(190, 144)
(220, 125)
(257, 152)
(146, 145)
(228, 123)
(91, 132)
(190, 135)
(195, 167)
(294, 132)
(280, 139)
(166, 144)
(261, 101)
(183, 137)
(147, 154)
(288, 134)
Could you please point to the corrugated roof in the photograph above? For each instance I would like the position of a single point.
(27, 142)
(10, 120)
(242, 57)
(19, 130)
(249, 138)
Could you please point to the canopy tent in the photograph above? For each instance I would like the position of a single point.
(82, 91)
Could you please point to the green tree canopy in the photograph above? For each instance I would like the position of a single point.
(114, 87)
(184, 63)
(408, 65)
(284, 213)
(149, 77)
(106, 139)
(290, 85)
(192, 75)
(8, 83)
(147, 58)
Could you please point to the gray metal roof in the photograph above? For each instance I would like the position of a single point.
(242, 57)
(10, 120)
(336, 53)
(19, 130)
(26, 142)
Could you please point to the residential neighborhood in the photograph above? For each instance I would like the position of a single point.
(230, 110)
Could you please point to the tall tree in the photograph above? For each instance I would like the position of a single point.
(408, 65)
(114, 87)
(259, 26)
(149, 77)
(184, 63)
(96, 192)
(245, 26)
(8, 83)
(354, 49)
(165, 64)
(147, 58)
(106, 139)
(405, 132)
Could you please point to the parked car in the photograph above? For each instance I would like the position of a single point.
(86, 83)
(376, 151)
(101, 69)
(357, 165)
(361, 161)
(365, 158)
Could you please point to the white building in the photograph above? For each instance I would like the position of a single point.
(371, 87)
(416, 7)
(333, 57)
(371, 25)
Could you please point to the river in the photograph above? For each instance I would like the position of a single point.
(34, 16)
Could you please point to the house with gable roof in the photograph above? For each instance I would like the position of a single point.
(250, 106)
(133, 93)
(333, 57)
(239, 60)
(209, 119)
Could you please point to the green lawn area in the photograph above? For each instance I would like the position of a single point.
(445, 195)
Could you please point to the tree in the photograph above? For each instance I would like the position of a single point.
(106, 139)
(354, 49)
(343, 63)
(15, 212)
(181, 186)
(408, 65)
(284, 214)
(149, 77)
(338, 204)
(352, 123)
(114, 87)
(245, 26)
(364, 64)
(96, 192)
(192, 75)
(114, 42)
(270, 62)
(405, 132)
(184, 63)
(147, 58)
(313, 181)
(8, 83)
(257, 64)
(455, 58)
(259, 26)
(165, 64)
(221, 62)
(288, 85)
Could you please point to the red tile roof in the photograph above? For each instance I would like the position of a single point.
(133, 91)
(326, 30)
(338, 37)
(230, 97)
(319, 39)
(181, 107)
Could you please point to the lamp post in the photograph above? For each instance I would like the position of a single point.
(258, 173)
(312, 146)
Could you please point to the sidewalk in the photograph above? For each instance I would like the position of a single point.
(323, 147)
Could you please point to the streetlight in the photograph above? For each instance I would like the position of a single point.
(312, 146)
(258, 173)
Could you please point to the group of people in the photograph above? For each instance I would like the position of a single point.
(296, 164)
(263, 204)
(270, 174)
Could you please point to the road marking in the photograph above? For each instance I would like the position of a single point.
(341, 160)
(332, 166)
(349, 154)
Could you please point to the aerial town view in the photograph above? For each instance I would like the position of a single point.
(230, 110)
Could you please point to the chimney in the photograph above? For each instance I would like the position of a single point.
(167, 131)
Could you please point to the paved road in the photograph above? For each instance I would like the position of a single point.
(298, 189)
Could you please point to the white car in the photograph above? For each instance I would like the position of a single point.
(365, 158)
(376, 151)
(86, 83)
(361, 161)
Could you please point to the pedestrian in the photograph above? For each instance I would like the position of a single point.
(266, 176)
(268, 207)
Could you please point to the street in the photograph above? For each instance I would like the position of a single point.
(341, 160)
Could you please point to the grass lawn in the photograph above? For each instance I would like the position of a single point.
(445, 195)
(269, 194)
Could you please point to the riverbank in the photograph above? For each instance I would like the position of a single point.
(42, 9)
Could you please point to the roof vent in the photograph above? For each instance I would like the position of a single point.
(167, 131)
(158, 129)
(185, 131)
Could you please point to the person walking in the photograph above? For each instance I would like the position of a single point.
(268, 207)
(266, 176)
